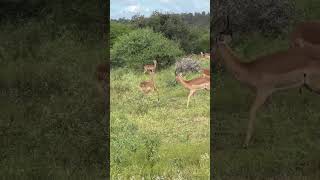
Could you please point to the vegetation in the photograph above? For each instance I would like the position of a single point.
(141, 47)
(285, 143)
(191, 31)
(52, 124)
(118, 29)
(151, 139)
(269, 17)
(186, 65)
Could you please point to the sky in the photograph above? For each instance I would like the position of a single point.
(128, 8)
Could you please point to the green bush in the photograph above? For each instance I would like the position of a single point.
(186, 29)
(117, 30)
(141, 47)
(200, 41)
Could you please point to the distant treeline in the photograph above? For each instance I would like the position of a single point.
(198, 19)
(190, 30)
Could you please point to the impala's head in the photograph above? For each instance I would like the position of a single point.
(226, 32)
(178, 76)
(220, 41)
(224, 36)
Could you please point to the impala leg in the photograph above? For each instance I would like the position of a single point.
(190, 94)
(259, 101)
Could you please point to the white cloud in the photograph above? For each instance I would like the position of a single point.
(134, 8)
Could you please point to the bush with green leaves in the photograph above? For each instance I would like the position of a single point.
(117, 30)
(200, 41)
(141, 47)
(186, 29)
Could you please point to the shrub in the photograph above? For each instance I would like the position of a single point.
(200, 40)
(187, 65)
(141, 47)
(117, 30)
(268, 16)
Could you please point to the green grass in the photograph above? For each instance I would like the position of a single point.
(151, 139)
(51, 120)
(285, 143)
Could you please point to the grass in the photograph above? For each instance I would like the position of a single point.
(158, 140)
(51, 125)
(285, 143)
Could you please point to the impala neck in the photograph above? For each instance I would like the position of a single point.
(232, 63)
(182, 81)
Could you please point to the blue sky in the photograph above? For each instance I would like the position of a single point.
(128, 8)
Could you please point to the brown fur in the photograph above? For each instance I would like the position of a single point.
(149, 86)
(150, 67)
(206, 72)
(101, 71)
(102, 84)
(194, 84)
(267, 74)
(308, 31)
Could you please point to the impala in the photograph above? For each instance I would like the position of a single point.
(205, 55)
(101, 75)
(149, 86)
(206, 72)
(102, 84)
(291, 68)
(308, 31)
(150, 67)
(194, 85)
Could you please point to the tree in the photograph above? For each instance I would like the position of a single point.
(117, 30)
(142, 46)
